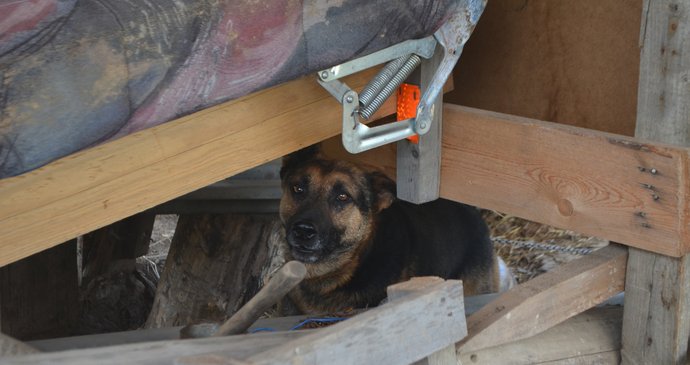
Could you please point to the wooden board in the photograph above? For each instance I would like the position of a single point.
(593, 337)
(93, 188)
(399, 332)
(600, 184)
(547, 300)
(163, 352)
(570, 62)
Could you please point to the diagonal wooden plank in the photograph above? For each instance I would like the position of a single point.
(548, 299)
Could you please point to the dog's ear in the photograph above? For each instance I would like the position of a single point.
(384, 190)
(298, 157)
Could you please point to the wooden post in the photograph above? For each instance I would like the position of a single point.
(126, 239)
(39, 295)
(656, 320)
(216, 263)
(447, 355)
(419, 165)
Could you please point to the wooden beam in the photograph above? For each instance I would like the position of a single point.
(419, 172)
(399, 332)
(549, 299)
(656, 321)
(593, 337)
(596, 183)
(96, 187)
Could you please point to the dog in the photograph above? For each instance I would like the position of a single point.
(344, 223)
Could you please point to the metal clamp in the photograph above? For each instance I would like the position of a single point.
(402, 59)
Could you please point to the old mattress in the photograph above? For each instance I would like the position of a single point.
(78, 73)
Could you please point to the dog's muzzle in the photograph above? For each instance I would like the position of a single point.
(303, 238)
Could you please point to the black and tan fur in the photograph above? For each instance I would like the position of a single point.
(356, 238)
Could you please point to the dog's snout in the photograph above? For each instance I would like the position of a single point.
(304, 231)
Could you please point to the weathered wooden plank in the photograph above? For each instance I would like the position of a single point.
(656, 321)
(596, 183)
(90, 189)
(592, 337)
(164, 352)
(399, 332)
(548, 299)
(445, 356)
(419, 164)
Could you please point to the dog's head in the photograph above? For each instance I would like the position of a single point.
(328, 207)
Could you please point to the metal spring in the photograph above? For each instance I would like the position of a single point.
(382, 78)
(388, 89)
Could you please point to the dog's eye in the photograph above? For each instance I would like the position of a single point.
(297, 189)
(342, 197)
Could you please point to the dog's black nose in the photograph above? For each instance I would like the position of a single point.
(304, 231)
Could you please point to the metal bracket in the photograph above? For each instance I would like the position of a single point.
(402, 59)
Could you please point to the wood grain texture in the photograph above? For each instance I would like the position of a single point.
(548, 299)
(398, 332)
(93, 188)
(592, 337)
(216, 263)
(656, 322)
(445, 356)
(573, 63)
(419, 164)
(605, 185)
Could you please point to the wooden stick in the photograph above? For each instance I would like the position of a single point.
(280, 284)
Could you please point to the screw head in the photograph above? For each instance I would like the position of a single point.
(653, 171)
(324, 74)
(349, 99)
(422, 126)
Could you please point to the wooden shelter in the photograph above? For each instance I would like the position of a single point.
(609, 69)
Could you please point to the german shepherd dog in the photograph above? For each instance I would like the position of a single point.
(345, 224)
